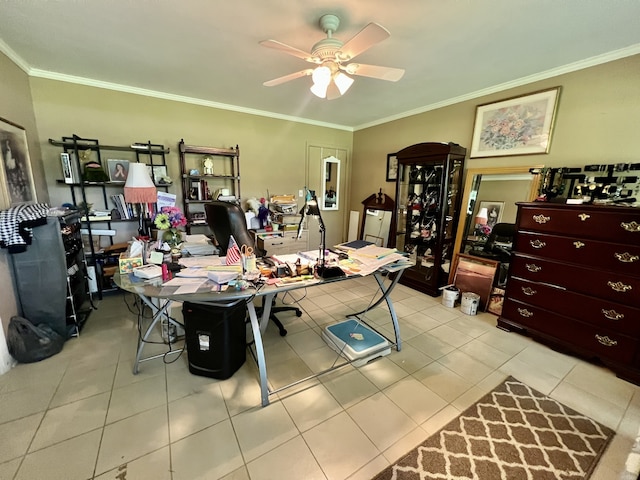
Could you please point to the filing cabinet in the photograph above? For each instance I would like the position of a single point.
(283, 242)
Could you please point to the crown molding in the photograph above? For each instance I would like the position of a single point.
(554, 72)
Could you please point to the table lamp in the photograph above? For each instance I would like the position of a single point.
(482, 217)
(311, 208)
(140, 190)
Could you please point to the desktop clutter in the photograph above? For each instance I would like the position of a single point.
(242, 269)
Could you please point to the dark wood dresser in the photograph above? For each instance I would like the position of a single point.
(574, 282)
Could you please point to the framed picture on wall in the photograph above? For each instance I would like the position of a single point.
(392, 167)
(494, 211)
(516, 126)
(16, 176)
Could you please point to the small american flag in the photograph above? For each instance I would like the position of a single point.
(233, 252)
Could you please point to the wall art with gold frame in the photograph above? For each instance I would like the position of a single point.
(520, 125)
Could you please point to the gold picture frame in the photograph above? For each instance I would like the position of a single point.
(521, 125)
(16, 175)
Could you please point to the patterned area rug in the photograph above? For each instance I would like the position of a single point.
(513, 432)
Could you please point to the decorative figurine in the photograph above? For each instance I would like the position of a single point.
(207, 165)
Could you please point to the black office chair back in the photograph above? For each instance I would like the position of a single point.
(226, 219)
(501, 232)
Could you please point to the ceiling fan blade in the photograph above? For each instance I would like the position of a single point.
(363, 40)
(286, 49)
(382, 73)
(286, 78)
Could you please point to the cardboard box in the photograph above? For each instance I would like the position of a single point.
(127, 264)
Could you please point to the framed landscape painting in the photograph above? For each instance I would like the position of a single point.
(16, 176)
(516, 126)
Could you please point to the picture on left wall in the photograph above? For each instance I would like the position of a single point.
(15, 168)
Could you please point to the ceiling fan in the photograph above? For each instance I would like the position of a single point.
(330, 79)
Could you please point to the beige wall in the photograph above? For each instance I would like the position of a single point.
(17, 107)
(597, 122)
(272, 152)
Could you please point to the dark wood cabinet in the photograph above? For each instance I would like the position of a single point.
(574, 281)
(428, 195)
(208, 173)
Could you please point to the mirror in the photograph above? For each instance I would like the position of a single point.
(378, 219)
(330, 186)
(492, 188)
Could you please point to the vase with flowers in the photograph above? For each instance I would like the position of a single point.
(169, 220)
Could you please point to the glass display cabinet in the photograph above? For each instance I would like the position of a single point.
(428, 198)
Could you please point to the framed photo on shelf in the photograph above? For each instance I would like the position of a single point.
(516, 126)
(118, 170)
(157, 173)
(392, 167)
(16, 176)
(494, 211)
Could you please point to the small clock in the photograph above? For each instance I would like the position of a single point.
(207, 165)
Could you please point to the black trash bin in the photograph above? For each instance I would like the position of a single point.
(215, 338)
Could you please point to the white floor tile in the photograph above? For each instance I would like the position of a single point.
(165, 423)
(211, 453)
(259, 430)
(340, 446)
(290, 461)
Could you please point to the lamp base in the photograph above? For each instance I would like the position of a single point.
(330, 272)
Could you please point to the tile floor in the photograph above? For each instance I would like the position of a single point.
(83, 415)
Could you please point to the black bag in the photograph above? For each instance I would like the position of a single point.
(30, 343)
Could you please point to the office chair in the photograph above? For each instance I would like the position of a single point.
(498, 247)
(226, 219)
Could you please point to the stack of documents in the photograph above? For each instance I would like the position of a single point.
(198, 245)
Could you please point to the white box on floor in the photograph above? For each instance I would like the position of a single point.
(356, 341)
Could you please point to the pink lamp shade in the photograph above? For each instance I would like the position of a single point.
(139, 187)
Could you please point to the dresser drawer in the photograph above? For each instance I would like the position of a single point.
(600, 342)
(287, 242)
(588, 309)
(615, 224)
(612, 286)
(592, 253)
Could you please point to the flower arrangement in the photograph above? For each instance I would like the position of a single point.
(514, 126)
(483, 230)
(170, 219)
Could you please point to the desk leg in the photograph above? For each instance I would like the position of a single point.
(385, 296)
(262, 364)
(392, 311)
(266, 311)
(159, 312)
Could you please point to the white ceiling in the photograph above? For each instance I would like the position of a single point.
(207, 51)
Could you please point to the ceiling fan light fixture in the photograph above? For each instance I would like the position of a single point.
(319, 90)
(343, 82)
(321, 75)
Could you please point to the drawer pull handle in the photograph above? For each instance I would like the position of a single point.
(541, 219)
(606, 341)
(532, 267)
(528, 291)
(626, 257)
(275, 244)
(631, 226)
(584, 216)
(537, 243)
(612, 314)
(619, 286)
(578, 244)
(525, 313)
